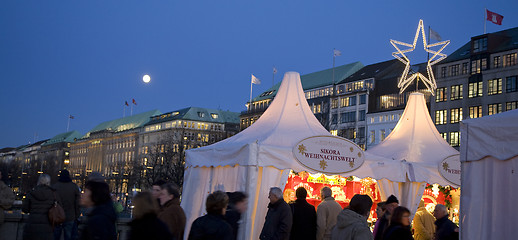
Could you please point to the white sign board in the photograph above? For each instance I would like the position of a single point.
(450, 169)
(329, 154)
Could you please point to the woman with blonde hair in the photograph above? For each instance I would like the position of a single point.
(37, 203)
(145, 224)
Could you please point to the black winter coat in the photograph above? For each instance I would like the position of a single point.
(149, 227)
(210, 227)
(278, 222)
(100, 224)
(398, 232)
(37, 203)
(383, 226)
(69, 194)
(304, 220)
(445, 229)
(232, 216)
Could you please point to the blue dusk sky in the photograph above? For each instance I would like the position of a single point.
(86, 58)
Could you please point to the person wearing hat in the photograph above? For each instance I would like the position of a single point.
(69, 194)
(390, 205)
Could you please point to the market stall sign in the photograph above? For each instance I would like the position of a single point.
(450, 169)
(329, 154)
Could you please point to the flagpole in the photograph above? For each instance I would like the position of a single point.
(124, 111)
(131, 112)
(485, 19)
(68, 124)
(334, 66)
(250, 102)
(273, 76)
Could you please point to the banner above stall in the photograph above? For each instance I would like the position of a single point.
(329, 154)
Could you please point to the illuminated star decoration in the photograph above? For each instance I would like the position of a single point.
(323, 164)
(429, 81)
(445, 166)
(351, 164)
(302, 148)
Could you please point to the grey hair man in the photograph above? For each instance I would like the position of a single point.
(278, 221)
(446, 229)
(327, 212)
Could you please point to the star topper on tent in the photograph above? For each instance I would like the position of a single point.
(429, 81)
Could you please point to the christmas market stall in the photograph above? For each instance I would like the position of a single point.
(489, 158)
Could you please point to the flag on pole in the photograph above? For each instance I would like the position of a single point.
(274, 70)
(336, 53)
(126, 103)
(134, 102)
(494, 17)
(70, 116)
(435, 35)
(255, 80)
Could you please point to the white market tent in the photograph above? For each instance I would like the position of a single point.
(261, 157)
(417, 145)
(489, 161)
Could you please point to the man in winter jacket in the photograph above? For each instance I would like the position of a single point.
(69, 194)
(352, 221)
(327, 212)
(446, 229)
(172, 213)
(278, 221)
(423, 224)
(6, 198)
(304, 217)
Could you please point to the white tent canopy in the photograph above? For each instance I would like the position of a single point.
(489, 161)
(261, 156)
(416, 144)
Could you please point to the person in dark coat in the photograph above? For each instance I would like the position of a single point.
(100, 223)
(304, 217)
(37, 203)
(212, 225)
(446, 229)
(279, 219)
(237, 205)
(399, 228)
(384, 221)
(69, 195)
(172, 213)
(145, 224)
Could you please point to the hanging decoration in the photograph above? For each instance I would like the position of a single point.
(405, 79)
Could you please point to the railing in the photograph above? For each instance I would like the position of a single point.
(12, 228)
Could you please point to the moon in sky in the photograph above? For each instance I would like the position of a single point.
(146, 78)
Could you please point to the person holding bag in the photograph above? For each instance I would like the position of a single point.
(38, 203)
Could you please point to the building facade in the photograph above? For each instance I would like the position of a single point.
(476, 80)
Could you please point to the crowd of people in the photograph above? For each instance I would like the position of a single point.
(157, 214)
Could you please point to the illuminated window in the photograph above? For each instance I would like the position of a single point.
(494, 86)
(214, 115)
(494, 108)
(454, 139)
(334, 103)
(475, 112)
(510, 59)
(456, 92)
(511, 105)
(475, 89)
(348, 101)
(455, 115)
(478, 65)
(445, 136)
(510, 84)
(440, 95)
(372, 136)
(382, 134)
(497, 62)
(334, 132)
(440, 117)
